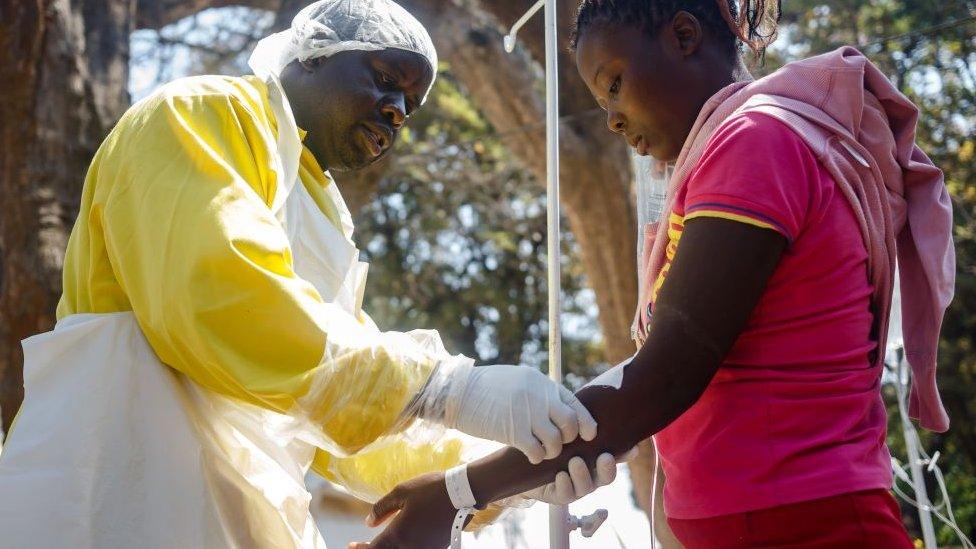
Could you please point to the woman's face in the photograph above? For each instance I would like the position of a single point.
(652, 87)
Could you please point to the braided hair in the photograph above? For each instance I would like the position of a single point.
(750, 22)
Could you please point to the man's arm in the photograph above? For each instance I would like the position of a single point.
(715, 281)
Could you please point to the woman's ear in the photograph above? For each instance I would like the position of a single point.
(687, 32)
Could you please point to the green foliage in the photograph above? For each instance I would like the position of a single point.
(456, 240)
(932, 59)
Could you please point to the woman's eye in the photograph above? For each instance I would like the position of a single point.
(615, 86)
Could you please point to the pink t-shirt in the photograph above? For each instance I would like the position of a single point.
(795, 411)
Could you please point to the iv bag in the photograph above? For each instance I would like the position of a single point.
(651, 179)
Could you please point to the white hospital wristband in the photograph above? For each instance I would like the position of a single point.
(458, 487)
(462, 498)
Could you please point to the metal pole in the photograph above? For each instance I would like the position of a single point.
(559, 525)
(509, 41)
(914, 458)
(558, 514)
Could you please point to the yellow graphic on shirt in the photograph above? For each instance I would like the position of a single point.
(676, 225)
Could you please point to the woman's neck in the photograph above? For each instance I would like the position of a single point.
(741, 72)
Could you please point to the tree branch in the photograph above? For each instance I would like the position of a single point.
(156, 14)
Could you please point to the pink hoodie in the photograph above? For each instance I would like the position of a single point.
(862, 130)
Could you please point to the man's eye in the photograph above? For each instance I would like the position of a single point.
(387, 79)
(615, 86)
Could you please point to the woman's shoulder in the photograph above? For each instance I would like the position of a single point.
(755, 144)
(756, 130)
(756, 166)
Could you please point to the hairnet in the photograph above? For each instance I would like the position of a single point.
(327, 27)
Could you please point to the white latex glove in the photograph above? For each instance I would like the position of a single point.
(578, 481)
(517, 406)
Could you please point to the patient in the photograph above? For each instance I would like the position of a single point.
(760, 365)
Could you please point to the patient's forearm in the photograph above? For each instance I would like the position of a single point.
(649, 398)
(713, 285)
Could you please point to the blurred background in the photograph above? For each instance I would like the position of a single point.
(453, 223)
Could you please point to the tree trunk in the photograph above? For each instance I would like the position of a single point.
(64, 67)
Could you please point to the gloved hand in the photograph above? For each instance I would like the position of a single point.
(578, 481)
(517, 406)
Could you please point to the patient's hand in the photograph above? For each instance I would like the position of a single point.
(424, 514)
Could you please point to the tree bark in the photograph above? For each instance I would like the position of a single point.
(156, 14)
(64, 65)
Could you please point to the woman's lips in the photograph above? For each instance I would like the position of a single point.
(641, 146)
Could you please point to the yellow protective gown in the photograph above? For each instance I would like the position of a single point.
(175, 225)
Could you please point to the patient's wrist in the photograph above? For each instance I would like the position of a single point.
(459, 488)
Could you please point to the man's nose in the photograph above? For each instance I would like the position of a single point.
(394, 110)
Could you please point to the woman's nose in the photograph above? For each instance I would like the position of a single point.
(616, 121)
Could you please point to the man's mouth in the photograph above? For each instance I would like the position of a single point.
(375, 141)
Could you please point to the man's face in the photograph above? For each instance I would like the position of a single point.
(354, 103)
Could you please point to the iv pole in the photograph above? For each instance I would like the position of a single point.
(558, 514)
(561, 523)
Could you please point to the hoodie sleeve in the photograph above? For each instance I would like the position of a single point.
(927, 271)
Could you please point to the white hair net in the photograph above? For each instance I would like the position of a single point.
(327, 27)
